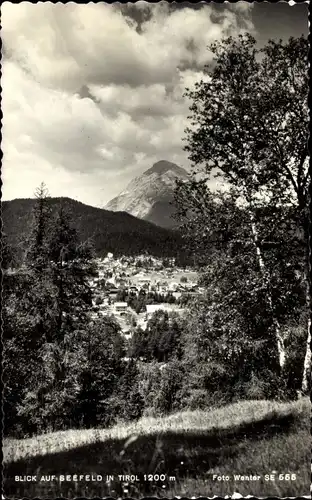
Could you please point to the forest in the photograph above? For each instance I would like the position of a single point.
(247, 337)
(119, 233)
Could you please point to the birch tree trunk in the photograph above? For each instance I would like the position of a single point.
(307, 359)
(307, 363)
(279, 338)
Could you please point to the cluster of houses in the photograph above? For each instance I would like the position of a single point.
(122, 274)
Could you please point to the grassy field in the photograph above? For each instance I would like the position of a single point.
(188, 448)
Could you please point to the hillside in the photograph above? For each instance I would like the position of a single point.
(249, 437)
(150, 195)
(116, 232)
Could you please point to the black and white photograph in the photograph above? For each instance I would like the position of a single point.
(155, 250)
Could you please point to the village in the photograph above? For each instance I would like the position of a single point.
(132, 289)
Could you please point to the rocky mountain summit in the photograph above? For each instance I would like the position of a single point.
(149, 196)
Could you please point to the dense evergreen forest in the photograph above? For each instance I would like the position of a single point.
(116, 232)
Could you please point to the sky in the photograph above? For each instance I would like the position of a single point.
(92, 95)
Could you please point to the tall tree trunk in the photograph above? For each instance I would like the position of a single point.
(307, 359)
(307, 363)
(279, 338)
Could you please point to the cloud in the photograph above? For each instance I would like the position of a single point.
(59, 125)
(92, 95)
(70, 45)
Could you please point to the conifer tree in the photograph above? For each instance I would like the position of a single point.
(70, 265)
(28, 318)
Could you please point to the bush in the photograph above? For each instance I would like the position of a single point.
(201, 399)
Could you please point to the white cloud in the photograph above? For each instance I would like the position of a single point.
(71, 45)
(90, 146)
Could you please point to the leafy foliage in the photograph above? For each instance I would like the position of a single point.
(248, 126)
(250, 119)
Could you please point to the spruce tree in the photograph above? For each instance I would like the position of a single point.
(27, 321)
(71, 266)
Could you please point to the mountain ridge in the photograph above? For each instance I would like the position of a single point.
(118, 232)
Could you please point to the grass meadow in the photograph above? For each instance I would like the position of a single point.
(187, 449)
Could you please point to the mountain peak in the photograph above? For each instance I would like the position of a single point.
(150, 195)
(163, 166)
